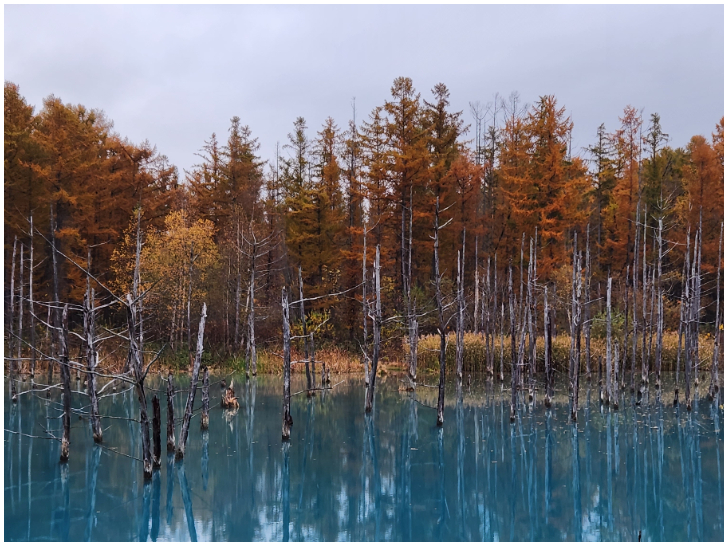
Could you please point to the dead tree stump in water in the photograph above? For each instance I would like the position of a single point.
(205, 419)
(66, 379)
(287, 419)
(170, 415)
(193, 387)
(156, 432)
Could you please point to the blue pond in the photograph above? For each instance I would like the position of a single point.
(654, 470)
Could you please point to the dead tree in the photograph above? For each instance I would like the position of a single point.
(156, 432)
(377, 334)
(714, 385)
(634, 302)
(514, 368)
(440, 316)
(696, 296)
(681, 328)
(531, 318)
(287, 419)
(252, 356)
(365, 313)
(645, 363)
(193, 386)
(136, 355)
(310, 384)
(20, 311)
(66, 380)
(493, 315)
(205, 419)
(170, 415)
(33, 350)
(89, 330)
(609, 340)
(460, 322)
(587, 316)
(502, 335)
(11, 339)
(547, 348)
(312, 355)
(660, 306)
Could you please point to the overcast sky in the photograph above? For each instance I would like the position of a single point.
(176, 74)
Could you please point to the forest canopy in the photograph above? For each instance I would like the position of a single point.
(236, 217)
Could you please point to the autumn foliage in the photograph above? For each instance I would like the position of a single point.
(205, 232)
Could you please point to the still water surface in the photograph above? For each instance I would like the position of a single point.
(653, 469)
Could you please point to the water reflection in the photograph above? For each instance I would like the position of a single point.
(654, 469)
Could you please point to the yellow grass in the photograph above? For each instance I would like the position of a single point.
(474, 356)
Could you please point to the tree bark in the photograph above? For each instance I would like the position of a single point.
(89, 327)
(377, 333)
(441, 318)
(31, 278)
(364, 308)
(205, 419)
(309, 382)
(287, 419)
(546, 348)
(514, 367)
(11, 339)
(156, 432)
(66, 380)
(170, 415)
(193, 386)
(714, 385)
(609, 339)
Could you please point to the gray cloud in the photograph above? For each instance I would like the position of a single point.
(175, 74)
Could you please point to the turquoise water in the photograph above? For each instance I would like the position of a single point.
(655, 470)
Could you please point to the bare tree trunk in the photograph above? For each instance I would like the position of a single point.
(237, 286)
(56, 301)
(587, 305)
(89, 329)
(170, 415)
(377, 329)
(287, 419)
(521, 314)
(609, 339)
(645, 370)
(31, 279)
(502, 335)
(460, 326)
(577, 333)
(546, 347)
(66, 380)
(615, 371)
(660, 306)
(11, 339)
(714, 385)
(697, 295)
(20, 312)
(309, 384)
(156, 432)
(531, 318)
(205, 419)
(252, 353)
(681, 328)
(189, 306)
(514, 367)
(193, 386)
(492, 318)
(364, 311)
(440, 317)
(312, 356)
(634, 302)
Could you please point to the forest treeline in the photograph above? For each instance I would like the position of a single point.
(237, 228)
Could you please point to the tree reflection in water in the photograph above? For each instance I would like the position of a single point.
(652, 469)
